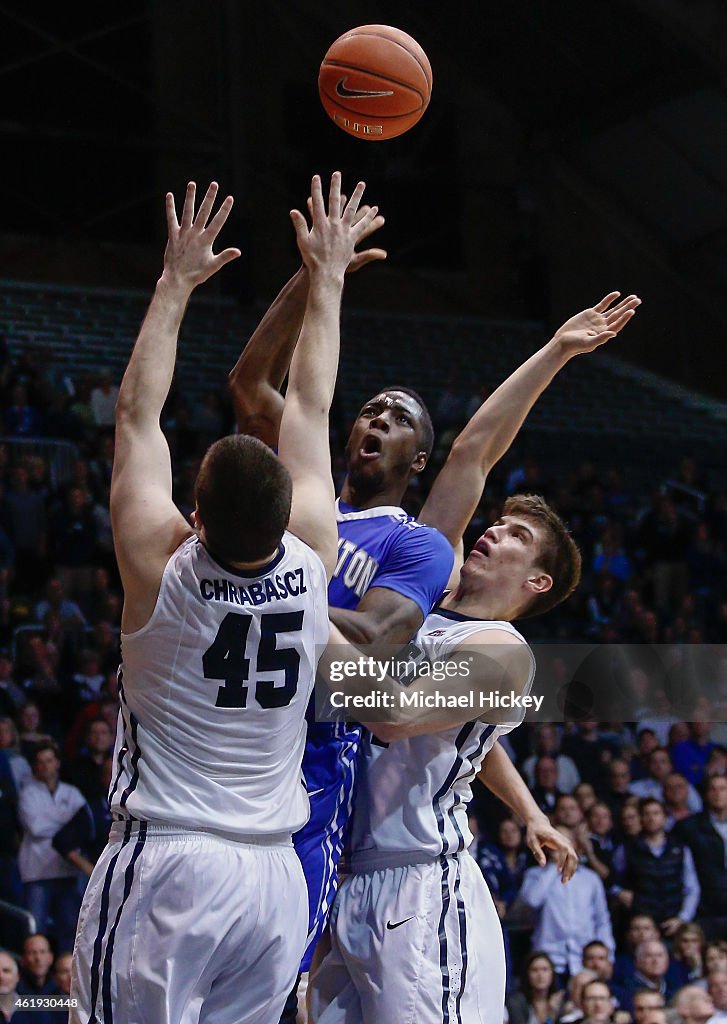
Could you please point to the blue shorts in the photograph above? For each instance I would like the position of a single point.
(329, 767)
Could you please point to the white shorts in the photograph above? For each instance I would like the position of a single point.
(417, 944)
(181, 927)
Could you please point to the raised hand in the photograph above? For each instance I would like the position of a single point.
(188, 259)
(593, 327)
(539, 833)
(360, 259)
(329, 245)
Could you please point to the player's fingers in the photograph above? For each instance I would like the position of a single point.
(227, 256)
(215, 225)
(334, 195)
(318, 209)
(300, 224)
(618, 324)
(632, 302)
(537, 850)
(606, 301)
(171, 211)
(205, 207)
(353, 203)
(569, 866)
(344, 200)
(360, 259)
(188, 209)
(363, 227)
(370, 226)
(361, 213)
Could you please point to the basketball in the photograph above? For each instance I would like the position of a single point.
(375, 82)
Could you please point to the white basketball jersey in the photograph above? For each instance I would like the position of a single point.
(214, 690)
(413, 793)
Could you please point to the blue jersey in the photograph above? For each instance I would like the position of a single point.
(377, 547)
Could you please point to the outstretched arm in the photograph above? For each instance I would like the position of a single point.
(488, 435)
(327, 248)
(147, 526)
(258, 374)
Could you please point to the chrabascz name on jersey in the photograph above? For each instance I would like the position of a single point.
(272, 588)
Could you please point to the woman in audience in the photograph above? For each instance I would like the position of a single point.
(688, 954)
(538, 1001)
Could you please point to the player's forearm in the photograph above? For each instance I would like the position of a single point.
(314, 363)
(148, 376)
(501, 777)
(493, 428)
(265, 360)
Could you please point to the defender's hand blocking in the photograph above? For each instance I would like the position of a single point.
(593, 327)
(329, 245)
(360, 259)
(188, 258)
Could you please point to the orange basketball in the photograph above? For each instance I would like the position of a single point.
(375, 82)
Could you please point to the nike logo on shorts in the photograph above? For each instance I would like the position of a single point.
(398, 924)
(341, 90)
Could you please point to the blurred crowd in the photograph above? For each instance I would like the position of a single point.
(639, 934)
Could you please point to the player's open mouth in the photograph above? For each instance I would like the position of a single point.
(371, 448)
(481, 548)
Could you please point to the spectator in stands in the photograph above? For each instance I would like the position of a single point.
(566, 812)
(616, 792)
(573, 1009)
(630, 819)
(715, 956)
(25, 520)
(62, 972)
(659, 769)
(693, 1004)
(89, 679)
(678, 732)
(72, 535)
(597, 1001)
(35, 967)
(665, 536)
(547, 744)
(609, 556)
(51, 889)
(503, 864)
(688, 953)
(100, 601)
(690, 757)
(643, 1002)
(12, 697)
(539, 1001)
(9, 977)
(658, 872)
(22, 419)
(676, 799)
(55, 601)
(570, 916)
(717, 989)
(641, 928)
(103, 400)
(589, 751)
(106, 645)
(651, 966)
(717, 760)
(596, 958)
(10, 744)
(585, 795)
(603, 606)
(545, 791)
(32, 731)
(599, 841)
(86, 772)
(705, 835)
(646, 742)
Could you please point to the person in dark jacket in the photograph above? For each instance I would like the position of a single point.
(705, 834)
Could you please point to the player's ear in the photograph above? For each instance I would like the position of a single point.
(539, 583)
(419, 462)
(195, 520)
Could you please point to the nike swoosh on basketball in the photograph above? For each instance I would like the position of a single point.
(341, 90)
(398, 924)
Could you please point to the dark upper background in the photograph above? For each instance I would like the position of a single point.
(569, 148)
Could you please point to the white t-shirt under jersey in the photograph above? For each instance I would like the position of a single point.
(413, 793)
(214, 690)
